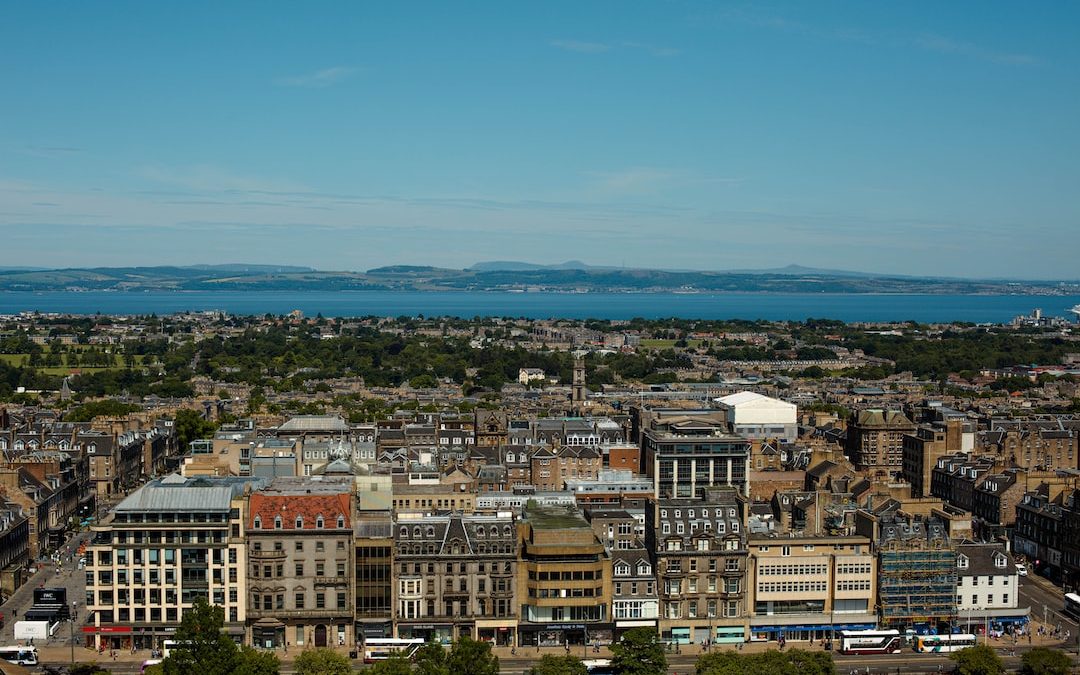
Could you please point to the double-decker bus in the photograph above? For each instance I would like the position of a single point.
(870, 641)
(380, 649)
(934, 644)
(1072, 605)
(19, 655)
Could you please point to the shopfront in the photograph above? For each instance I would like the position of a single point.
(563, 634)
(623, 626)
(107, 637)
(268, 633)
(443, 633)
(497, 633)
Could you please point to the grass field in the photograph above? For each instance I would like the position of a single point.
(24, 359)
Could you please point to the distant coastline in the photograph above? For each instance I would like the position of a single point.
(857, 307)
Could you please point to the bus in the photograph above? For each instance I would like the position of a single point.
(1072, 605)
(380, 649)
(150, 662)
(598, 667)
(20, 656)
(937, 644)
(870, 641)
(167, 647)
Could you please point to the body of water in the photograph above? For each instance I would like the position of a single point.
(776, 307)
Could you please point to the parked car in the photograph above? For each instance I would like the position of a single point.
(1021, 569)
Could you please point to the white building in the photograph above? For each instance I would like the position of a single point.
(527, 375)
(753, 415)
(987, 588)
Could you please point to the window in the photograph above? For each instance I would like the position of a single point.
(341, 522)
(320, 600)
(258, 523)
(299, 522)
(319, 522)
(277, 522)
(299, 600)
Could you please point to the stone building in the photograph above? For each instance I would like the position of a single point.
(875, 441)
(455, 576)
(300, 572)
(699, 549)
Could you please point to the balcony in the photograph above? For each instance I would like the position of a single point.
(267, 555)
(331, 581)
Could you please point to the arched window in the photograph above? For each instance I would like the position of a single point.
(416, 533)
(506, 530)
(404, 532)
(277, 522)
(299, 522)
(341, 522)
(319, 522)
(494, 531)
(430, 531)
(258, 523)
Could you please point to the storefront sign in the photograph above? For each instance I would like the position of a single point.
(107, 629)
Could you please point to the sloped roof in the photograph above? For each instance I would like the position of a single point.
(308, 507)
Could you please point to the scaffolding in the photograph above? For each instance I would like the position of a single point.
(917, 581)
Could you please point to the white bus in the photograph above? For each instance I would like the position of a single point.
(937, 644)
(870, 641)
(167, 647)
(380, 649)
(1072, 605)
(21, 656)
(598, 667)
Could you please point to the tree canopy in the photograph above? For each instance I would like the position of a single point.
(639, 652)
(1044, 661)
(206, 650)
(772, 662)
(977, 660)
(322, 661)
(559, 665)
(465, 657)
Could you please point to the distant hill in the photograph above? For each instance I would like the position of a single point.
(571, 276)
(516, 266)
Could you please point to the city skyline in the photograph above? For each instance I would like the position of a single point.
(918, 139)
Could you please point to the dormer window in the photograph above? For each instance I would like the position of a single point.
(258, 523)
(277, 522)
(962, 562)
(319, 522)
(999, 561)
(622, 570)
(341, 522)
(299, 522)
(644, 570)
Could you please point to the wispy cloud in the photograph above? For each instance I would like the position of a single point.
(210, 178)
(653, 49)
(945, 45)
(319, 79)
(580, 46)
(646, 179)
(584, 47)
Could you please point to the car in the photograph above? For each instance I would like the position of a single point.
(1021, 570)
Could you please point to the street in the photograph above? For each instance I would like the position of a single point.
(1046, 602)
(70, 578)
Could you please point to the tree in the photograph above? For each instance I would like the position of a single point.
(772, 662)
(472, 657)
(190, 425)
(1044, 661)
(639, 652)
(977, 660)
(465, 657)
(559, 665)
(207, 650)
(397, 664)
(322, 661)
(431, 660)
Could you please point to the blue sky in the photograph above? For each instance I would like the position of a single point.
(915, 137)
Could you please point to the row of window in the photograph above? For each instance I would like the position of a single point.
(544, 593)
(567, 575)
(854, 568)
(320, 522)
(703, 525)
(853, 585)
(416, 586)
(792, 587)
(462, 568)
(691, 609)
(278, 571)
(410, 609)
(633, 587)
(268, 601)
(675, 565)
(298, 545)
(790, 570)
(479, 531)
